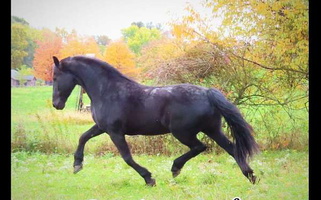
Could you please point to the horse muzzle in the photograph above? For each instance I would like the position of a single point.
(59, 105)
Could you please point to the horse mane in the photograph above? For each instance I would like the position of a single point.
(102, 65)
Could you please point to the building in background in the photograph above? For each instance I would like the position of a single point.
(18, 80)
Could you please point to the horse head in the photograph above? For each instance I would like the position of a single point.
(63, 83)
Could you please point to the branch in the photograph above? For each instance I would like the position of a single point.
(269, 68)
(250, 61)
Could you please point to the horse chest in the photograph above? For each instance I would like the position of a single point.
(104, 116)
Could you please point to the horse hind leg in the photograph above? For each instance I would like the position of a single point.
(219, 137)
(196, 147)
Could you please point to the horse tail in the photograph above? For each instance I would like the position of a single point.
(245, 144)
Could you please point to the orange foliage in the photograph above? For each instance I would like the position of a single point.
(119, 55)
(80, 46)
(53, 45)
(42, 62)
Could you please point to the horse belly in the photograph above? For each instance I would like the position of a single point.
(147, 123)
(154, 127)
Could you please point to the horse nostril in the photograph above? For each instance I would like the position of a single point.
(58, 105)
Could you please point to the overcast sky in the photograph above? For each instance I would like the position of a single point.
(97, 17)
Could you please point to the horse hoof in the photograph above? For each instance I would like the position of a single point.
(176, 173)
(77, 168)
(151, 182)
(253, 179)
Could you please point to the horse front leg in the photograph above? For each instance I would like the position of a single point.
(122, 146)
(79, 154)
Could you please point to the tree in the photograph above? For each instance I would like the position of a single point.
(15, 19)
(18, 45)
(33, 35)
(265, 42)
(138, 24)
(102, 41)
(156, 57)
(23, 42)
(136, 37)
(23, 72)
(277, 28)
(76, 45)
(42, 63)
(61, 32)
(119, 55)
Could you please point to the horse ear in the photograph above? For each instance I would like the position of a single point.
(56, 61)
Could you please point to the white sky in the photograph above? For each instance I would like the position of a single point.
(98, 17)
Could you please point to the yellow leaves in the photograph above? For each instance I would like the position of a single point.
(181, 31)
(193, 15)
(160, 51)
(194, 22)
(178, 30)
(276, 6)
(262, 7)
(190, 19)
(119, 56)
(80, 46)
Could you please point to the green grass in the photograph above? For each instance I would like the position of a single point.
(43, 141)
(283, 175)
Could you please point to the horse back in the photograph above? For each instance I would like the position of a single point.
(164, 109)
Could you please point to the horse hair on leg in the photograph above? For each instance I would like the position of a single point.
(229, 147)
(122, 146)
(196, 147)
(79, 154)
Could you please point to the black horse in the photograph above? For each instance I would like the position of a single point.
(121, 106)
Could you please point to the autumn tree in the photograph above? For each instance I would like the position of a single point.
(156, 57)
(102, 41)
(63, 34)
(277, 33)
(120, 56)
(23, 42)
(266, 43)
(62, 44)
(42, 63)
(79, 45)
(33, 35)
(19, 44)
(136, 37)
(15, 19)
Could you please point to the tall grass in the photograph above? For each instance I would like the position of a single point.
(58, 132)
(36, 126)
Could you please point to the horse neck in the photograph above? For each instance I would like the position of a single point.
(97, 81)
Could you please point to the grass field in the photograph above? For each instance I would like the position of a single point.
(283, 175)
(43, 141)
